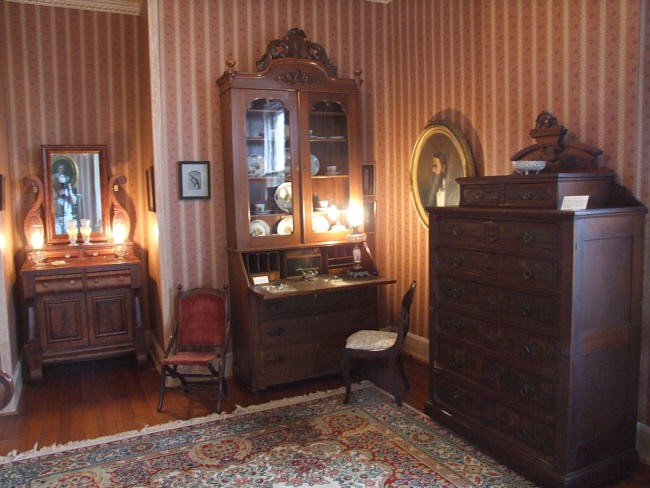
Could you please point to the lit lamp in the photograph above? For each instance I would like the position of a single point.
(355, 216)
(37, 239)
(119, 236)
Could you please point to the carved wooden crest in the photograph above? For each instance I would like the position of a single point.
(295, 45)
(560, 156)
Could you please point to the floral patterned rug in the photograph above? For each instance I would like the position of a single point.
(312, 441)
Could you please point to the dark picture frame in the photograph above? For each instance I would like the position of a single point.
(441, 155)
(193, 179)
(151, 189)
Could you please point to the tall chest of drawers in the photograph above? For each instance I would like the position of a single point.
(535, 332)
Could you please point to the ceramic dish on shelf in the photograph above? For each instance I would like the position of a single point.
(319, 223)
(283, 197)
(315, 164)
(259, 228)
(255, 164)
(285, 226)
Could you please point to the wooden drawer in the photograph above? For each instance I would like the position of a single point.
(308, 327)
(297, 361)
(108, 279)
(527, 350)
(521, 386)
(522, 269)
(501, 302)
(314, 302)
(494, 233)
(468, 403)
(58, 283)
(535, 191)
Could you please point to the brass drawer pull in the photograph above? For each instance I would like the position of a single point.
(527, 273)
(528, 237)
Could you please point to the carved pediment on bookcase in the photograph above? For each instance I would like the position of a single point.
(560, 155)
(295, 45)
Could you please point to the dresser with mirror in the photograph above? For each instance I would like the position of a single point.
(81, 277)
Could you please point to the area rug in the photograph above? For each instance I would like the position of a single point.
(311, 441)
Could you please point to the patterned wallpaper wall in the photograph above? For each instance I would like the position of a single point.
(488, 67)
(75, 78)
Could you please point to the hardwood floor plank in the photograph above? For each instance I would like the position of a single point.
(86, 400)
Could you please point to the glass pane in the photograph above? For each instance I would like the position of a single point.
(328, 145)
(268, 146)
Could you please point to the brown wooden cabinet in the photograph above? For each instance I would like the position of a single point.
(292, 144)
(535, 325)
(81, 308)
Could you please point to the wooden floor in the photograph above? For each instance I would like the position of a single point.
(91, 399)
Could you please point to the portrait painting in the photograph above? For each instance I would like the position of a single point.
(440, 156)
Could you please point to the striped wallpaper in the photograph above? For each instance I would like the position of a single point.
(75, 78)
(488, 67)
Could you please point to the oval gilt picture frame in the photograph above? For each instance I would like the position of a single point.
(440, 155)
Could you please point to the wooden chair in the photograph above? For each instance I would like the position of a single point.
(200, 340)
(376, 344)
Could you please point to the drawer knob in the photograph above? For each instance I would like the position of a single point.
(278, 331)
(526, 311)
(527, 273)
(456, 229)
(457, 261)
(45, 284)
(72, 282)
(457, 326)
(456, 293)
(528, 237)
(526, 350)
(526, 390)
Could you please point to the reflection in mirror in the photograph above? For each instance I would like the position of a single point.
(74, 191)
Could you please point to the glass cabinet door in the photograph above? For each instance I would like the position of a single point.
(328, 179)
(272, 194)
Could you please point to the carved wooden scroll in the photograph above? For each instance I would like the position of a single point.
(33, 216)
(295, 45)
(560, 156)
(119, 214)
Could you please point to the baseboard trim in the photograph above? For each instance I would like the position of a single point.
(417, 346)
(643, 442)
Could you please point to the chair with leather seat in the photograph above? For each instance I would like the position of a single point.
(196, 355)
(377, 344)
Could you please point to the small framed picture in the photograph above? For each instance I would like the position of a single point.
(151, 189)
(194, 179)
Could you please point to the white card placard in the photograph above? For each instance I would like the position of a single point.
(260, 280)
(574, 202)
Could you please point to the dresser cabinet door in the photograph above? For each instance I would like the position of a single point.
(110, 316)
(62, 318)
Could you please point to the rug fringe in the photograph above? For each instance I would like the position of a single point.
(14, 455)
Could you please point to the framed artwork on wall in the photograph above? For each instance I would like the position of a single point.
(193, 179)
(440, 156)
(151, 189)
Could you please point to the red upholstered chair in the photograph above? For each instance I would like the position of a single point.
(376, 344)
(200, 341)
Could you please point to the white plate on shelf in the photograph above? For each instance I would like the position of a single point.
(319, 223)
(315, 164)
(285, 226)
(255, 164)
(283, 197)
(259, 228)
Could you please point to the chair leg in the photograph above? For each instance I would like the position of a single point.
(162, 388)
(400, 364)
(345, 367)
(393, 382)
(221, 387)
